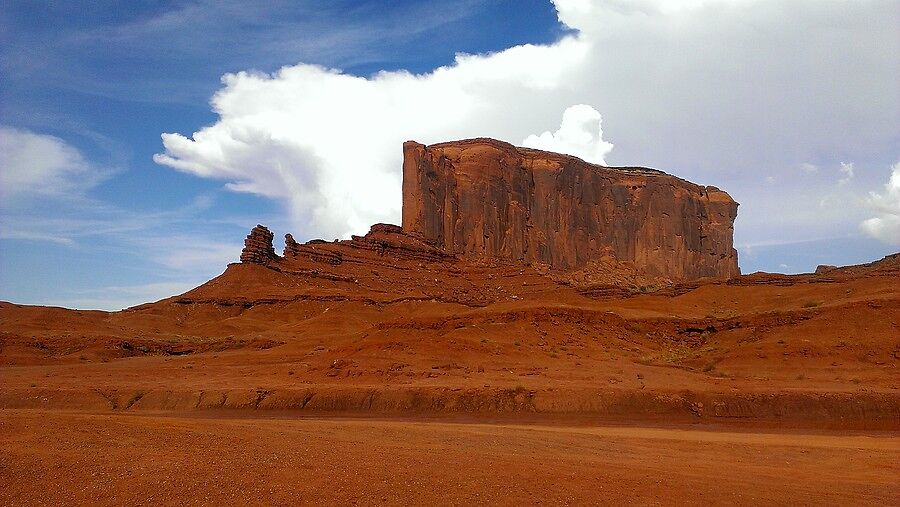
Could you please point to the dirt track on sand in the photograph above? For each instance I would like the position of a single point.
(58, 457)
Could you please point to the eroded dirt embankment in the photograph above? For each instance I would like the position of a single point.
(874, 411)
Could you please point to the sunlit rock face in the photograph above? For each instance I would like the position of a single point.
(484, 198)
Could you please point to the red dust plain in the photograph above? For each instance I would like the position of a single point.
(383, 370)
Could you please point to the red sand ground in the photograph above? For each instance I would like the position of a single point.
(54, 458)
(174, 401)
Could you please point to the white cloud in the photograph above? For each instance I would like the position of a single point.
(188, 253)
(808, 168)
(579, 134)
(114, 298)
(714, 91)
(886, 225)
(328, 144)
(33, 164)
(847, 170)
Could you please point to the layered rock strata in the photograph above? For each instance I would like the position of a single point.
(383, 239)
(482, 198)
(258, 248)
(291, 247)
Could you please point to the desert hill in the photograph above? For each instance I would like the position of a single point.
(396, 326)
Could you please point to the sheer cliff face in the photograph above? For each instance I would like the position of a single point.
(488, 199)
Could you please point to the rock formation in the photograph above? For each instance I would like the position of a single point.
(482, 198)
(383, 239)
(486, 200)
(258, 247)
(291, 247)
(389, 239)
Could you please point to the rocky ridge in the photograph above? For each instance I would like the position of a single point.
(484, 201)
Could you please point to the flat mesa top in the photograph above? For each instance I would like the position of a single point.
(550, 155)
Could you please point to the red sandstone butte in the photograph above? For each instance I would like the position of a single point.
(489, 199)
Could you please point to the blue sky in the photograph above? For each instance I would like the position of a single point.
(797, 122)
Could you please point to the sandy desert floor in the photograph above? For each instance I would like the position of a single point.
(59, 457)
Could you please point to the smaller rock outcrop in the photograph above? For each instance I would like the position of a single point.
(291, 247)
(258, 247)
(315, 251)
(393, 241)
(382, 240)
(824, 268)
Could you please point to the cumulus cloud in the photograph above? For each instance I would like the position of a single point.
(579, 134)
(715, 91)
(886, 225)
(33, 164)
(328, 144)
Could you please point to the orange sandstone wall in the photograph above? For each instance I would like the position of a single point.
(486, 198)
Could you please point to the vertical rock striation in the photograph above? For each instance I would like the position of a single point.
(486, 198)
